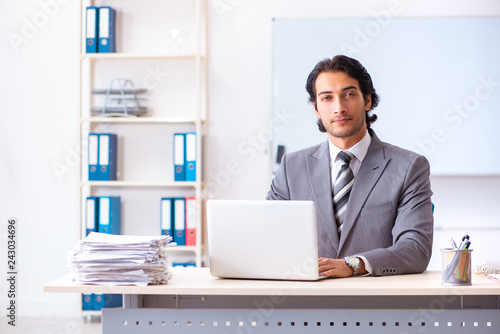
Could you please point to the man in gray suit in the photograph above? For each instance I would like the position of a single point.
(373, 201)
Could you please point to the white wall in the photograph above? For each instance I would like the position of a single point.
(39, 127)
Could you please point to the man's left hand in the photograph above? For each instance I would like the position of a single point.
(337, 268)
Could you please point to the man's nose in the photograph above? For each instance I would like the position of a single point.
(338, 107)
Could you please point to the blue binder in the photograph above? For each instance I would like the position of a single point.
(179, 149)
(183, 264)
(91, 217)
(166, 214)
(107, 156)
(178, 264)
(87, 302)
(91, 30)
(190, 161)
(109, 218)
(98, 301)
(113, 300)
(109, 215)
(93, 156)
(180, 221)
(107, 300)
(107, 17)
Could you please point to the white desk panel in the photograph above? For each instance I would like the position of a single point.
(198, 281)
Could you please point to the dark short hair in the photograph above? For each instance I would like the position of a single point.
(354, 69)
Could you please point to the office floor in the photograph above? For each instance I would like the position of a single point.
(31, 325)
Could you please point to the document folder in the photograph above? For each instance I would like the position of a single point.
(107, 301)
(183, 264)
(93, 154)
(109, 215)
(166, 216)
(180, 221)
(179, 146)
(87, 301)
(107, 17)
(91, 31)
(107, 156)
(190, 156)
(98, 301)
(190, 221)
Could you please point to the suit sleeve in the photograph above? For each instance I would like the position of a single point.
(279, 186)
(413, 227)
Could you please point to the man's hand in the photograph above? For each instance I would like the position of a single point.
(338, 267)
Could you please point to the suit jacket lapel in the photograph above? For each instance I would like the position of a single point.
(369, 173)
(318, 168)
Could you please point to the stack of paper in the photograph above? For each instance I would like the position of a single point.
(109, 259)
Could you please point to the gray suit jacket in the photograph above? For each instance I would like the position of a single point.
(389, 217)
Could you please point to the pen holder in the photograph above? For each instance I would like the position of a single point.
(456, 268)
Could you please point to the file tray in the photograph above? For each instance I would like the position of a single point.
(120, 99)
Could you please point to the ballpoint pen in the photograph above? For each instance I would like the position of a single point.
(466, 237)
(453, 243)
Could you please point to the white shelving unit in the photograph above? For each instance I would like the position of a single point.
(94, 68)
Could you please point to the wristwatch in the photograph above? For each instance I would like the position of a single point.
(354, 263)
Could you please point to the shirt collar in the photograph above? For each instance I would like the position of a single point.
(359, 150)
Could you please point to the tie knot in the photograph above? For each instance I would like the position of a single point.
(345, 156)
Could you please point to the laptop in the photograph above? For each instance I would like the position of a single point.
(263, 239)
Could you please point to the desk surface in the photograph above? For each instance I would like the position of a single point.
(198, 281)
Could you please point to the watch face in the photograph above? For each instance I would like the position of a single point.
(354, 263)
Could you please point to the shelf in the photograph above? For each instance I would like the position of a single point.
(165, 120)
(181, 249)
(183, 184)
(90, 313)
(165, 116)
(139, 56)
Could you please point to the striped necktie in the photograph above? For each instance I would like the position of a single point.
(342, 188)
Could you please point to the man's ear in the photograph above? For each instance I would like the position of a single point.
(316, 109)
(368, 102)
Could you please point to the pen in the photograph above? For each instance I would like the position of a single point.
(453, 243)
(466, 237)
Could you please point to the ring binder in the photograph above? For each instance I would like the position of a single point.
(106, 30)
(91, 31)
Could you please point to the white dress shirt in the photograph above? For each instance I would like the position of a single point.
(359, 151)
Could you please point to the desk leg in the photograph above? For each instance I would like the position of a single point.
(132, 301)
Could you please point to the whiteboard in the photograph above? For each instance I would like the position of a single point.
(438, 80)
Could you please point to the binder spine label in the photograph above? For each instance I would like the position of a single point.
(104, 211)
(91, 214)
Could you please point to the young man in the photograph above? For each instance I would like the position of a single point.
(373, 199)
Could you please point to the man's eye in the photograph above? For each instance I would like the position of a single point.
(326, 98)
(350, 94)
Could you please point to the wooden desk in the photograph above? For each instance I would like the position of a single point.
(195, 302)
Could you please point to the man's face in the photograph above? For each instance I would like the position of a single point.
(341, 107)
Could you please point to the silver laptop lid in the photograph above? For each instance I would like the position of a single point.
(262, 239)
